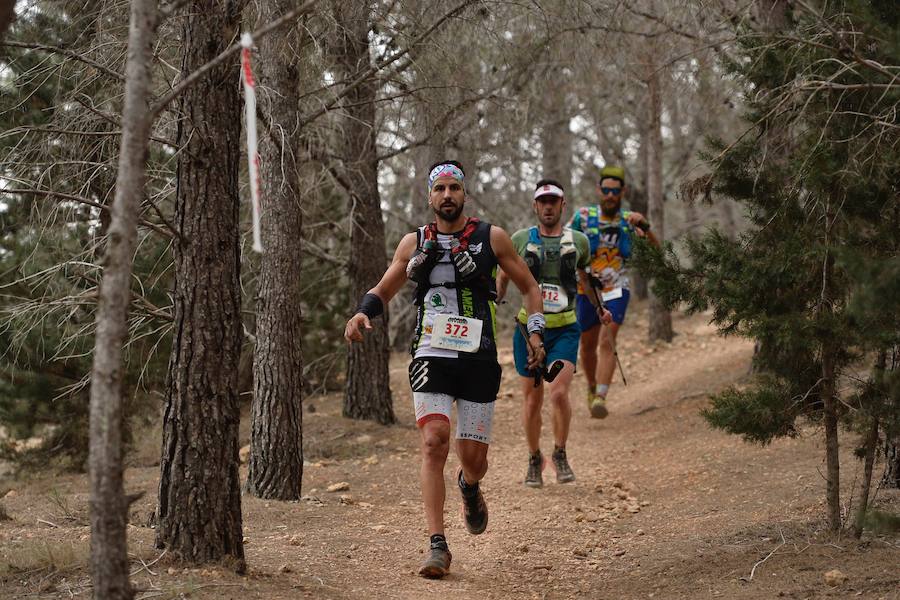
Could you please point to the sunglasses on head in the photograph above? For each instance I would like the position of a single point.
(609, 190)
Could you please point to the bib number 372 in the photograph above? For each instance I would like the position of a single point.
(453, 332)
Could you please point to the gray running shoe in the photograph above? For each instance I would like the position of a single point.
(535, 478)
(474, 508)
(437, 565)
(564, 472)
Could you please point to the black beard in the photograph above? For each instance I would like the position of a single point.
(611, 212)
(448, 217)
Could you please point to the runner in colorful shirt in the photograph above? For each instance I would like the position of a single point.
(557, 258)
(609, 231)
(453, 262)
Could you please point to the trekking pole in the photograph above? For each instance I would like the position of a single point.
(602, 307)
(548, 374)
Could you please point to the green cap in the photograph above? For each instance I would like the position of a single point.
(613, 172)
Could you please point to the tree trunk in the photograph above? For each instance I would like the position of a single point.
(556, 138)
(7, 15)
(870, 445)
(199, 508)
(368, 392)
(109, 507)
(276, 449)
(832, 459)
(891, 478)
(660, 319)
(637, 199)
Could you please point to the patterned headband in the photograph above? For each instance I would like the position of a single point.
(445, 170)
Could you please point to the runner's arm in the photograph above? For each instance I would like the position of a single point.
(391, 282)
(636, 219)
(502, 284)
(517, 271)
(585, 280)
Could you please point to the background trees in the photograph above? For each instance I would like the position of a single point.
(817, 174)
(356, 101)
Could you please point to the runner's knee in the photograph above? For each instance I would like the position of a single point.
(533, 403)
(559, 397)
(435, 444)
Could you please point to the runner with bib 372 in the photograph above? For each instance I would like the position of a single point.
(453, 262)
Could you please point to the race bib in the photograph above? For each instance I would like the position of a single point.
(555, 299)
(453, 332)
(612, 294)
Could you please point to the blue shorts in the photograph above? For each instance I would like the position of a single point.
(587, 314)
(561, 343)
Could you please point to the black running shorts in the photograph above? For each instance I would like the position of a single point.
(472, 380)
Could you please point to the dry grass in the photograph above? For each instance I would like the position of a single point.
(34, 557)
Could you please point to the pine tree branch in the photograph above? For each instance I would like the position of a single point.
(87, 201)
(191, 79)
(384, 63)
(68, 54)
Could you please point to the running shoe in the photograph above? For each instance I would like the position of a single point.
(437, 565)
(564, 472)
(598, 407)
(534, 477)
(474, 508)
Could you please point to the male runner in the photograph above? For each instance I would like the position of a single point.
(609, 231)
(557, 258)
(453, 262)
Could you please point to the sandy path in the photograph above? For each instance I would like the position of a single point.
(663, 507)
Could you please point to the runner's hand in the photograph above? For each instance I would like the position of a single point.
(353, 330)
(635, 219)
(536, 352)
(605, 316)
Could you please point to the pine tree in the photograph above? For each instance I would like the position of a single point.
(811, 277)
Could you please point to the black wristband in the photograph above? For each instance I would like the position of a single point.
(370, 305)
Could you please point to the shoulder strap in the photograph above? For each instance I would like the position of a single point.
(469, 228)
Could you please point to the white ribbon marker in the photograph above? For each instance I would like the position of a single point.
(252, 153)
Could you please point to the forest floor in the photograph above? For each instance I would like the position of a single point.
(663, 506)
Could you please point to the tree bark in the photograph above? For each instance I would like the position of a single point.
(276, 448)
(870, 445)
(637, 198)
(368, 392)
(109, 507)
(7, 15)
(891, 478)
(660, 319)
(832, 458)
(199, 508)
(556, 138)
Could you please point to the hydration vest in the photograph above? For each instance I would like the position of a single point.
(591, 227)
(568, 259)
(475, 294)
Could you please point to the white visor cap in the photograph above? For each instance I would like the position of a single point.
(548, 190)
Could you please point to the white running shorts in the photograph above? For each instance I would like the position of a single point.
(473, 419)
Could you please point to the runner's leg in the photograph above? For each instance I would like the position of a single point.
(588, 350)
(562, 408)
(531, 412)
(606, 364)
(435, 438)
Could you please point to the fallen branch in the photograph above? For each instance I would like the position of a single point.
(768, 556)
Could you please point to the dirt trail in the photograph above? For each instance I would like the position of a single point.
(663, 507)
